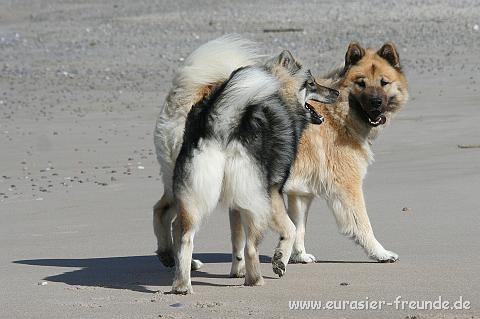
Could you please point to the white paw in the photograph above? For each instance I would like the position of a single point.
(255, 281)
(196, 264)
(181, 289)
(302, 258)
(238, 269)
(384, 256)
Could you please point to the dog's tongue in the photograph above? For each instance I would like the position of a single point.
(315, 118)
(379, 120)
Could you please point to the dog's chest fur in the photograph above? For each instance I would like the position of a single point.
(327, 157)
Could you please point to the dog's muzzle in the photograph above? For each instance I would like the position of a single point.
(376, 118)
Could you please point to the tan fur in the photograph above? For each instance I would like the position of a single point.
(340, 147)
(333, 157)
(289, 86)
(184, 218)
(204, 91)
(182, 233)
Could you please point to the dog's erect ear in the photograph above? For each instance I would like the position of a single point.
(287, 61)
(354, 54)
(284, 60)
(389, 52)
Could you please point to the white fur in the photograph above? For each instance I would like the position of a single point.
(221, 169)
(206, 178)
(361, 231)
(231, 175)
(298, 212)
(216, 60)
(243, 188)
(247, 86)
(211, 63)
(218, 169)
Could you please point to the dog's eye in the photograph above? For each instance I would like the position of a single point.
(383, 82)
(311, 83)
(360, 83)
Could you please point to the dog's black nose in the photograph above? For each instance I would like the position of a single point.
(376, 102)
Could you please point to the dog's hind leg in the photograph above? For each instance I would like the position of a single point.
(184, 228)
(349, 209)
(282, 224)
(298, 207)
(198, 184)
(163, 215)
(238, 244)
(244, 185)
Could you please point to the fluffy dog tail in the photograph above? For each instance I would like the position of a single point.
(216, 60)
(210, 64)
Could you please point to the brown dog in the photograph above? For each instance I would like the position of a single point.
(333, 158)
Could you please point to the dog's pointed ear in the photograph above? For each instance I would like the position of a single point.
(354, 54)
(389, 52)
(287, 61)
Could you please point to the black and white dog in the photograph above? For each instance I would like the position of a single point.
(238, 147)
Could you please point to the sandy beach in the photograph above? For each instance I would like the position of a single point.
(81, 83)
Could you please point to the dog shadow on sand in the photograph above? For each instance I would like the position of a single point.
(135, 272)
(130, 272)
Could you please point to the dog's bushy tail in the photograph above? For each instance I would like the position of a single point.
(211, 63)
(216, 60)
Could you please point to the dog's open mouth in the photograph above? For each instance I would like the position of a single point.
(375, 118)
(315, 118)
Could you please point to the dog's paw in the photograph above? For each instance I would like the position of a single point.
(302, 258)
(255, 281)
(166, 258)
(237, 274)
(181, 289)
(237, 270)
(277, 264)
(196, 264)
(385, 256)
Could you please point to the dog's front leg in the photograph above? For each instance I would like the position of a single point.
(254, 231)
(298, 206)
(348, 206)
(238, 244)
(286, 229)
